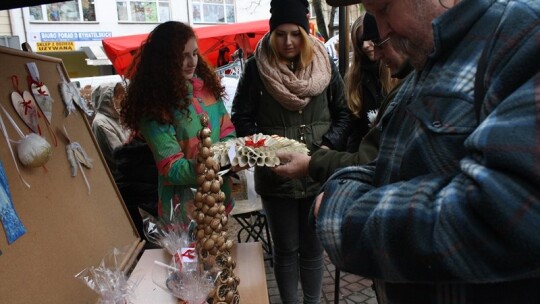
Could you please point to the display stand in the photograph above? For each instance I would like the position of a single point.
(254, 226)
(67, 228)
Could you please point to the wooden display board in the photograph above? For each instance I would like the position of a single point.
(67, 228)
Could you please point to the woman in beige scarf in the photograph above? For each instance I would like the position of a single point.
(292, 89)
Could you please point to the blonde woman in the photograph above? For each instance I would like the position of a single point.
(292, 89)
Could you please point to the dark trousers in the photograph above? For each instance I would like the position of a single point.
(297, 250)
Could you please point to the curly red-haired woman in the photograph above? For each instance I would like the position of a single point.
(171, 85)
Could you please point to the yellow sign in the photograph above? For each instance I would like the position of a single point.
(56, 46)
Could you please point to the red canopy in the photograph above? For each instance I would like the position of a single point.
(121, 50)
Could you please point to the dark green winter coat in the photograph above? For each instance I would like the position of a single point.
(322, 122)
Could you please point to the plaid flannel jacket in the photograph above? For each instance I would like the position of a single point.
(454, 197)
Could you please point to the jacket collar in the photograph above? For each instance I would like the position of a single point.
(453, 25)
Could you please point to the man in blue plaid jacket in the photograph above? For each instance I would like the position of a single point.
(450, 210)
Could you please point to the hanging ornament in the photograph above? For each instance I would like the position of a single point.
(40, 91)
(8, 144)
(32, 149)
(71, 95)
(10, 220)
(77, 157)
(25, 106)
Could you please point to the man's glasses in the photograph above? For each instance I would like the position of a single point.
(380, 44)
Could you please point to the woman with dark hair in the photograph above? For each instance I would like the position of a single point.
(171, 85)
(291, 88)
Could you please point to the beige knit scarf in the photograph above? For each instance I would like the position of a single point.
(293, 90)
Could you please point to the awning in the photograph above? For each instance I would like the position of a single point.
(120, 50)
(96, 55)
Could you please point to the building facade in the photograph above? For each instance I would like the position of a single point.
(73, 30)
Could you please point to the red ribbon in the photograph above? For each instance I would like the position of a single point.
(257, 144)
(177, 260)
(40, 90)
(38, 84)
(189, 254)
(26, 105)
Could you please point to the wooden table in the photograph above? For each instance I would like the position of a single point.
(249, 268)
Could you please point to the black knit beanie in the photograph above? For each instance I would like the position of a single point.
(371, 32)
(289, 11)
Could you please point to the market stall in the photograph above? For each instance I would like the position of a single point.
(244, 35)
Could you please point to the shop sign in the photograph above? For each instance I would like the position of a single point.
(63, 46)
(74, 36)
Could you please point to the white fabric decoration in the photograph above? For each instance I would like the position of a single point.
(372, 115)
(34, 151)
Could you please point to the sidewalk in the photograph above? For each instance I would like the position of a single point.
(353, 289)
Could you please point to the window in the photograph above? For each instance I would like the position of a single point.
(143, 10)
(213, 11)
(70, 11)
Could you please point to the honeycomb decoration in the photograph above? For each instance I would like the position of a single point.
(213, 245)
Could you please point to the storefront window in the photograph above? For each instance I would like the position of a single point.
(213, 11)
(69, 11)
(143, 10)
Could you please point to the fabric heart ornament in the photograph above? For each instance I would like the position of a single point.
(40, 91)
(43, 99)
(26, 108)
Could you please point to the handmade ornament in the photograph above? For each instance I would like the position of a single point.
(255, 150)
(25, 106)
(32, 149)
(71, 96)
(187, 286)
(8, 144)
(10, 220)
(213, 246)
(40, 91)
(180, 277)
(77, 157)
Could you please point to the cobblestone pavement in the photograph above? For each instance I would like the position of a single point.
(353, 288)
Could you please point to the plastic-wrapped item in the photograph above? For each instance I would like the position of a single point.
(193, 287)
(181, 276)
(173, 236)
(109, 280)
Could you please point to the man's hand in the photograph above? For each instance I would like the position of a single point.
(293, 164)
